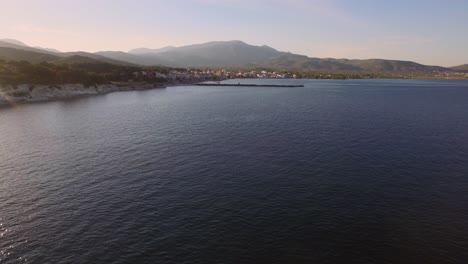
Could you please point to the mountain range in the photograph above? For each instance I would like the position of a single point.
(216, 54)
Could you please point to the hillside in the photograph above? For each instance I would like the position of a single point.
(14, 44)
(146, 60)
(11, 54)
(141, 51)
(21, 67)
(461, 68)
(212, 54)
(13, 41)
(16, 50)
(219, 54)
(96, 57)
(237, 54)
(300, 62)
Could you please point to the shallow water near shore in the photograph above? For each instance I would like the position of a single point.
(355, 171)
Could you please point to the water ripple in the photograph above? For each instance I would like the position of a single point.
(364, 170)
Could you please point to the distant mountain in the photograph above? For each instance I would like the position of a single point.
(16, 50)
(219, 54)
(146, 59)
(298, 62)
(229, 54)
(15, 44)
(379, 65)
(461, 68)
(79, 59)
(94, 56)
(13, 41)
(141, 51)
(11, 54)
(211, 54)
(48, 49)
(239, 54)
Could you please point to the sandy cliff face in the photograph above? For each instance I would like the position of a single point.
(34, 93)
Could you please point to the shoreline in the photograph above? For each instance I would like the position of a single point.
(11, 95)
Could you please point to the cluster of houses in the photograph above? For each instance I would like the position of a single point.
(170, 76)
(190, 75)
(207, 75)
(260, 74)
(450, 74)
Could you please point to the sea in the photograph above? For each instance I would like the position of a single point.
(339, 171)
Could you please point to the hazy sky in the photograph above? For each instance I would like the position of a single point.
(426, 31)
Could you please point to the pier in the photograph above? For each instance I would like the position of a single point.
(249, 85)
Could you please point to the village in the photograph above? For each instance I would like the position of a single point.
(206, 75)
(196, 75)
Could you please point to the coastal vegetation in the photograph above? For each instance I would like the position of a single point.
(73, 70)
(83, 70)
(20, 72)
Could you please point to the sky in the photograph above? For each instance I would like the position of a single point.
(426, 31)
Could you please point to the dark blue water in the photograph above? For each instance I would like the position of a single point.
(371, 171)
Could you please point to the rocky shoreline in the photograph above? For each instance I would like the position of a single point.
(25, 93)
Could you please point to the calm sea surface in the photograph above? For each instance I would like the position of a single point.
(356, 171)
